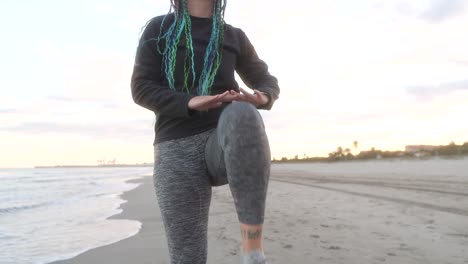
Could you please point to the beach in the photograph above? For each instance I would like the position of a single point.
(320, 215)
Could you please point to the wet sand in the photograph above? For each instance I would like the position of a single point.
(318, 218)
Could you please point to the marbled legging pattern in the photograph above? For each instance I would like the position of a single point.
(236, 152)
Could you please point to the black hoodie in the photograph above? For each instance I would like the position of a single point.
(150, 88)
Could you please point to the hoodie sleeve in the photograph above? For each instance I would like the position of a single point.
(254, 72)
(147, 86)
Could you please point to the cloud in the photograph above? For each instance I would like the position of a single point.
(440, 10)
(462, 63)
(428, 91)
(9, 111)
(123, 130)
(69, 99)
(433, 11)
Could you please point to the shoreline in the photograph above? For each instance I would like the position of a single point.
(131, 210)
(95, 166)
(326, 219)
(315, 160)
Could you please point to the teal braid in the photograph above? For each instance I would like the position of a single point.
(212, 55)
(189, 64)
(181, 28)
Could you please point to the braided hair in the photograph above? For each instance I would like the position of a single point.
(181, 29)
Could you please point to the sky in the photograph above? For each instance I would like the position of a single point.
(385, 73)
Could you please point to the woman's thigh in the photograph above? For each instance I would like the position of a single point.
(214, 158)
(183, 190)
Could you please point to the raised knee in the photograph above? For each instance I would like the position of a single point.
(240, 109)
(241, 112)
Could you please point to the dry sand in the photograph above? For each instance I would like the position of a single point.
(318, 219)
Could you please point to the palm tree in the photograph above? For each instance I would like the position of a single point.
(347, 151)
(339, 150)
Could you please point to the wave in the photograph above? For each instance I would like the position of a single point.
(14, 209)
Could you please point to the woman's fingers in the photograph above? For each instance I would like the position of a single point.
(231, 96)
(214, 101)
(215, 98)
(222, 97)
(257, 98)
(257, 92)
(236, 94)
(248, 97)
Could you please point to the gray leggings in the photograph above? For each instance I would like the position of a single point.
(235, 153)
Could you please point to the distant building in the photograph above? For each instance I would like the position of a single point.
(420, 148)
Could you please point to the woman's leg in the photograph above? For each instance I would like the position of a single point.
(238, 153)
(184, 193)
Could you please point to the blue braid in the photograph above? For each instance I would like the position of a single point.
(213, 55)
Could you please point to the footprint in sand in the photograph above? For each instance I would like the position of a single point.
(378, 234)
(287, 246)
(332, 248)
(404, 247)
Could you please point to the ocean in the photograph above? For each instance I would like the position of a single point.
(53, 214)
(58, 213)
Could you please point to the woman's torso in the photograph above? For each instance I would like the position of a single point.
(168, 127)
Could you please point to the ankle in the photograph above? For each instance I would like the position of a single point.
(251, 238)
(248, 250)
(253, 257)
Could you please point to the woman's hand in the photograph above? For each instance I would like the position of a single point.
(203, 103)
(257, 98)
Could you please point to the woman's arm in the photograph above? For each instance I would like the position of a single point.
(254, 72)
(147, 84)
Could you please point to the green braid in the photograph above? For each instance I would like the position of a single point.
(213, 55)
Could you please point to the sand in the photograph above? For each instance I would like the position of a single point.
(318, 219)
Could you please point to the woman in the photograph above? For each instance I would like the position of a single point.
(208, 130)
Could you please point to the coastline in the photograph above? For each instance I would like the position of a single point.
(95, 166)
(139, 207)
(317, 219)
